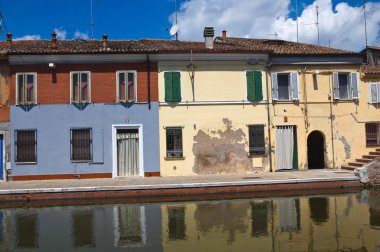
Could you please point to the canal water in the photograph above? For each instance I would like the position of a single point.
(339, 222)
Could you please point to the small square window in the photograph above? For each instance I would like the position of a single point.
(256, 140)
(174, 143)
(81, 145)
(126, 86)
(26, 146)
(26, 88)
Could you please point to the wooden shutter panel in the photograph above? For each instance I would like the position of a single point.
(258, 85)
(176, 87)
(294, 85)
(274, 86)
(336, 85)
(250, 86)
(168, 86)
(355, 85)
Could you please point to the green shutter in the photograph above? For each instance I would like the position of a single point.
(258, 86)
(176, 87)
(250, 86)
(254, 86)
(168, 86)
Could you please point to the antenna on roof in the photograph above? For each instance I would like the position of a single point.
(365, 21)
(297, 17)
(317, 22)
(3, 27)
(92, 21)
(274, 34)
(174, 30)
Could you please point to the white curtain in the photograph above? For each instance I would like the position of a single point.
(284, 148)
(128, 154)
(287, 215)
(129, 226)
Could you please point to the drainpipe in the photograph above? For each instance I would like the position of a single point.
(332, 125)
(269, 123)
(148, 72)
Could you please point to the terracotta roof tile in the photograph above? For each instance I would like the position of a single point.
(370, 70)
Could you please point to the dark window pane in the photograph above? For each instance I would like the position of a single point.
(84, 88)
(174, 143)
(319, 209)
(29, 88)
(20, 88)
(26, 230)
(75, 90)
(283, 86)
(81, 144)
(26, 146)
(122, 87)
(83, 229)
(131, 86)
(176, 224)
(372, 133)
(256, 140)
(260, 219)
(343, 85)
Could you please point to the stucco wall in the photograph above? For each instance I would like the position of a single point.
(53, 124)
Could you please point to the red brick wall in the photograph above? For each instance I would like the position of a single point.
(4, 90)
(103, 81)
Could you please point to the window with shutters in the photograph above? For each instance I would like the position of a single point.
(80, 87)
(372, 132)
(254, 86)
(256, 140)
(126, 86)
(374, 93)
(285, 86)
(172, 86)
(81, 145)
(346, 85)
(174, 143)
(26, 146)
(26, 88)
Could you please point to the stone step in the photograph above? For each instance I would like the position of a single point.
(376, 153)
(363, 160)
(355, 164)
(369, 157)
(377, 149)
(348, 167)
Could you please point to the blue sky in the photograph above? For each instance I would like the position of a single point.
(135, 19)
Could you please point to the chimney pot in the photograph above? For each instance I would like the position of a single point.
(224, 34)
(9, 39)
(105, 40)
(54, 41)
(208, 34)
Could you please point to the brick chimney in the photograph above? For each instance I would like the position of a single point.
(224, 34)
(105, 40)
(208, 34)
(54, 41)
(9, 39)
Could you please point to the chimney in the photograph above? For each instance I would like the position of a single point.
(9, 39)
(208, 33)
(54, 41)
(224, 34)
(105, 39)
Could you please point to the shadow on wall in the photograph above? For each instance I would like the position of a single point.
(221, 151)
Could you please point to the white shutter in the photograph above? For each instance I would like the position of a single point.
(336, 85)
(355, 85)
(373, 93)
(294, 86)
(274, 86)
(378, 94)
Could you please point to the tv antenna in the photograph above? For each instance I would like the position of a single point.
(365, 21)
(297, 17)
(317, 22)
(92, 21)
(274, 34)
(174, 29)
(3, 27)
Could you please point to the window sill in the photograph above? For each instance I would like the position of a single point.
(257, 155)
(372, 145)
(25, 163)
(174, 159)
(286, 101)
(81, 161)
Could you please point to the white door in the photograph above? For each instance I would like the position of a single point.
(284, 147)
(127, 152)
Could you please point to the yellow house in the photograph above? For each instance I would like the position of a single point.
(244, 105)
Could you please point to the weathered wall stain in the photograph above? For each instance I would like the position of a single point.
(347, 147)
(221, 152)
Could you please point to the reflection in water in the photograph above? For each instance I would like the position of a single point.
(176, 224)
(259, 213)
(83, 228)
(26, 230)
(289, 214)
(130, 229)
(320, 223)
(319, 209)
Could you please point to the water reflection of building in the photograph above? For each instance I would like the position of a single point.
(83, 228)
(26, 230)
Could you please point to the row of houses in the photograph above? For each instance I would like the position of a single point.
(119, 108)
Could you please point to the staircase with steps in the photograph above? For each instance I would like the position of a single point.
(362, 161)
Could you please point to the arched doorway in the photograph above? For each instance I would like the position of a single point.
(316, 150)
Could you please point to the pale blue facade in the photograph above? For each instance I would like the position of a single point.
(54, 122)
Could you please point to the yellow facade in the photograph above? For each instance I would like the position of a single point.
(214, 115)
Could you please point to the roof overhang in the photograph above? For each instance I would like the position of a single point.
(317, 60)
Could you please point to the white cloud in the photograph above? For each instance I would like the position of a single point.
(29, 37)
(342, 26)
(61, 33)
(80, 35)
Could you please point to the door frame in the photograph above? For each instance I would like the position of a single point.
(2, 165)
(115, 127)
(295, 150)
